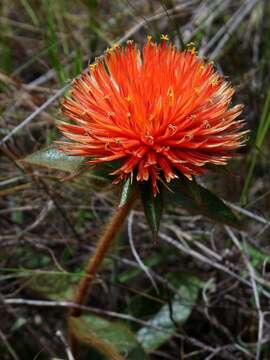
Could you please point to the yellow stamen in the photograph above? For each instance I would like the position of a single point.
(93, 66)
(215, 81)
(109, 50)
(197, 90)
(164, 37)
(149, 38)
(202, 67)
(172, 127)
(206, 124)
(192, 51)
(191, 48)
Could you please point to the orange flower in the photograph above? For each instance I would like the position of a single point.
(160, 111)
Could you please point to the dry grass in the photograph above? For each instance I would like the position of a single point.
(48, 226)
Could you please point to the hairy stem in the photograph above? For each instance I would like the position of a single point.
(96, 259)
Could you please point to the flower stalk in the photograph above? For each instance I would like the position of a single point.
(96, 259)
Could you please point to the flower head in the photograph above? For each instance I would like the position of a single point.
(160, 111)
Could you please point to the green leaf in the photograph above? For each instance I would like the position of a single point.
(111, 339)
(163, 325)
(152, 208)
(257, 257)
(126, 191)
(200, 200)
(55, 286)
(53, 158)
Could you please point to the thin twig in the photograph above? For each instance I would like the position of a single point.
(33, 115)
(254, 287)
(136, 255)
(67, 349)
(8, 346)
(248, 213)
(70, 305)
(210, 262)
(234, 23)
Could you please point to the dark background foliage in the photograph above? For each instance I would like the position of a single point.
(207, 284)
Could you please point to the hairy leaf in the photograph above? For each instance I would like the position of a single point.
(200, 200)
(52, 157)
(163, 325)
(126, 191)
(111, 339)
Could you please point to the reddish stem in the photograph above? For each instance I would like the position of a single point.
(96, 259)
